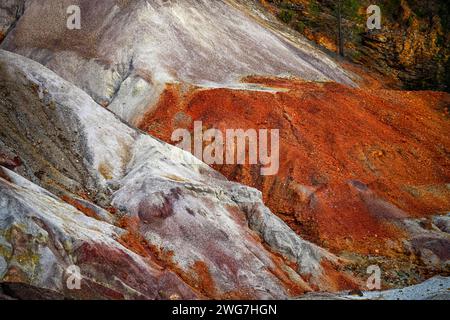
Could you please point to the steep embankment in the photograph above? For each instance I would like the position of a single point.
(357, 165)
(129, 48)
(412, 47)
(163, 208)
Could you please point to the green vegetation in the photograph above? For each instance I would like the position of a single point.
(300, 26)
(350, 9)
(390, 8)
(286, 15)
(314, 8)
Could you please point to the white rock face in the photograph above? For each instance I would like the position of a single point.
(436, 288)
(148, 43)
(183, 208)
(41, 237)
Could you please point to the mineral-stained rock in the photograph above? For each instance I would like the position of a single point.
(41, 237)
(355, 164)
(430, 243)
(436, 288)
(135, 46)
(411, 47)
(182, 229)
(21, 291)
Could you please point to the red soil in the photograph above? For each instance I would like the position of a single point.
(204, 279)
(80, 207)
(352, 161)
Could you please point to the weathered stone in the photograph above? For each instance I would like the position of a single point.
(177, 202)
(197, 42)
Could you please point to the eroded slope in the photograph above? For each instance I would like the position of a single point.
(166, 205)
(126, 48)
(355, 165)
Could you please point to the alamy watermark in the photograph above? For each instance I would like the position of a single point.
(74, 278)
(74, 19)
(374, 280)
(374, 20)
(236, 146)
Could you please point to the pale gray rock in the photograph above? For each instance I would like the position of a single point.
(188, 209)
(126, 43)
(41, 237)
(442, 222)
(429, 242)
(436, 288)
(427, 239)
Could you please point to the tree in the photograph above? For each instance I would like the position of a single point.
(347, 9)
(340, 35)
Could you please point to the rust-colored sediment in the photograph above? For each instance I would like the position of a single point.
(199, 277)
(80, 207)
(337, 280)
(4, 176)
(204, 279)
(352, 161)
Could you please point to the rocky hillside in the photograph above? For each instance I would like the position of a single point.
(191, 41)
(413, 46)
(88, 177)
(136, 215)
(357, 167)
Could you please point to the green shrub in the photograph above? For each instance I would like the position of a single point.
(286, 16)
(300, 26)
(314, 8)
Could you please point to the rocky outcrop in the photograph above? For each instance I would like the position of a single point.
(132, 48)
(355, 165)
(412, 47)
(10, 12)
(163, 208)
(41, 237)
(362, 172)
(433, 289)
